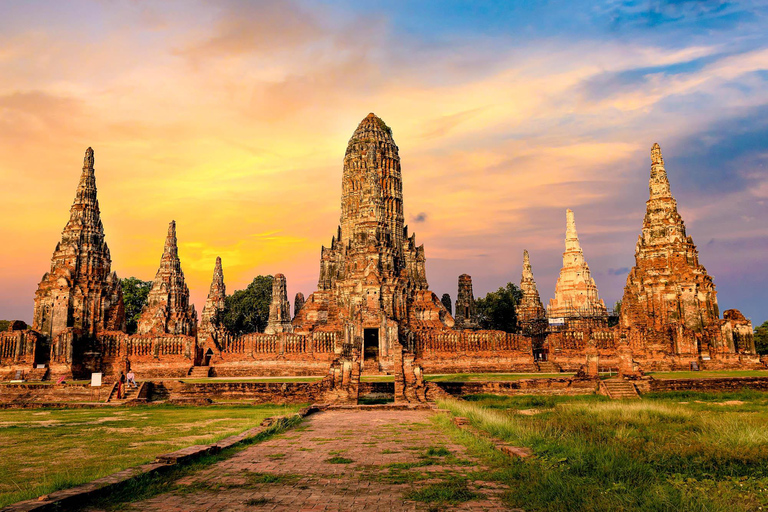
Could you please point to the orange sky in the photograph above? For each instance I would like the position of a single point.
(233, 118)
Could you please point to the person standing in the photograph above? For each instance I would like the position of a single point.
(120, 384)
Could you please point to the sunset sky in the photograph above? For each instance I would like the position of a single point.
(232, 118)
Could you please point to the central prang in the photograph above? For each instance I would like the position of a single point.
(372, 277)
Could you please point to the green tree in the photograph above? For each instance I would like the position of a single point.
(135, 292)
(497, 309)
(761, 338)
(248, 310)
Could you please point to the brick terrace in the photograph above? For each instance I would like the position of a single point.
(306, 481)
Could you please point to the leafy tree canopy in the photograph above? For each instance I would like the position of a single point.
(761, 338)
(497, 309)
(135, 292)
(248, 310)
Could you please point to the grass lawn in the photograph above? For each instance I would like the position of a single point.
(43, 450)
(709, 374)
(669, 451)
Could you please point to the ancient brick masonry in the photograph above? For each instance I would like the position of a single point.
(466, 312)
(576, 298)
(669, 297)
(373, 276)
(531, 316)
(279, 308)
(168, 309)
(213, 304)
(80, 291)
(298, 303)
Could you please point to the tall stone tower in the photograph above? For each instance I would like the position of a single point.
(667, 286)
(372, 277)
(80, 290)
(298, 303)
(215, 301)
(279, 308)
(168, 310)
(466, 312)
(531, 316)
(576, 296)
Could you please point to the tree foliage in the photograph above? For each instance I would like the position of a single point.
(135, 292)
(248, 310)
(761, 338)
(446, 300)
(497, 309)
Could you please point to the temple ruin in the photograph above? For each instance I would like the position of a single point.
(373, 311)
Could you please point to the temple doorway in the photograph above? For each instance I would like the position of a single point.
(371, 344)
(207, 358)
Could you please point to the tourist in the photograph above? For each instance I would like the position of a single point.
(120, 384)
(132, 378)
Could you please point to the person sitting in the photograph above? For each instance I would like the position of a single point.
(132, 379)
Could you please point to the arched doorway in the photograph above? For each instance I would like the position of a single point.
(207, 358)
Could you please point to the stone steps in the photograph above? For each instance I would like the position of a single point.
(36, 374)
(129, 393)
(199, 372)
(548, 367)
(618, 389)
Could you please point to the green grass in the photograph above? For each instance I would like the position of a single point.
(451, 492)
(709, 374)
(44, 450)
(670, 451)
(339, 460)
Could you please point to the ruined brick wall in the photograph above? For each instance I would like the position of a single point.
(18, 347)
(149, 356)
(452, 351)
(276, 354)
(557, 386)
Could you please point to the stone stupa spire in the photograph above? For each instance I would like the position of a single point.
(168, 309)
(667, 286)
(216, 297)
(80, 290)
(530, 309)
(575, 292)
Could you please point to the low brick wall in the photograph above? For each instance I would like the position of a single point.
(271, 368)
(51, 393)
(555, 386)
(256, 392)
(715, 384)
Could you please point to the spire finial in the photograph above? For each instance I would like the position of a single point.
(88, 160)
(659, 183)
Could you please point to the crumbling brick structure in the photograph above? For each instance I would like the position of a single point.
(372, 285)
(80, 291)
(279, 309)
(466, 312)
(168, 310)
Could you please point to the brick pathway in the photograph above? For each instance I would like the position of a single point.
(379, 456)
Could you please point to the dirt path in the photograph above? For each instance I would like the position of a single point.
(337, 460)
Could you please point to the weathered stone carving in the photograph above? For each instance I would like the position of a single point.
(531, 316)
(466, 313)
(279, 308)
(168, 310)
(80, 291)
(576, 298)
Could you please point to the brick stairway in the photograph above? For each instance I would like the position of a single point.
(199, 372)
(129, 393)
(372, 367)
(547, 367)
(618, 389)
(36, 374)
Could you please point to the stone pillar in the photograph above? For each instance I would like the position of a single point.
(298, 303)
(466, 314)
(279, 308)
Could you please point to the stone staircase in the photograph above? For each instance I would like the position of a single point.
(619, 389)
(547, 367)
(372, 367)
(129, 393)
(199, 372)
(36, 375)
